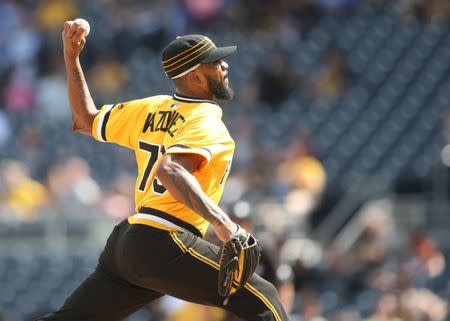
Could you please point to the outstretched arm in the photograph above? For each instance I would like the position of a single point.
(81, 103)
(175, 173)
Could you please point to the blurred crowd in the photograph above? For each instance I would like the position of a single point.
(45, 168)
(35, 118)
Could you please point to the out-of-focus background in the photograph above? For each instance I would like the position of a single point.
(341, 119)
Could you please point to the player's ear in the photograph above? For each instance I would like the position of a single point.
(195, 78)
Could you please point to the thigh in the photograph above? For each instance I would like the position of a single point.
(192, 276)
(102, 297)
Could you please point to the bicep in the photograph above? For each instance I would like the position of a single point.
(190, 162)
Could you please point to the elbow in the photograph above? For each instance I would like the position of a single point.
(80, 130)
(81, 127)
(166, 169)
(75, 127)
(161, 173)
(82, 123)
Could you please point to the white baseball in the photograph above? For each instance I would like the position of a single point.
(85, 25)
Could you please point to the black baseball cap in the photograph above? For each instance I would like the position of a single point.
(185, 53)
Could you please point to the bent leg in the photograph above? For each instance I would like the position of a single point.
(102, 297)
(258, 298)
(191, 274)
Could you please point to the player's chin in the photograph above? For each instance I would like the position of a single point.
(221, 90)
(226, 94)
(228, 90)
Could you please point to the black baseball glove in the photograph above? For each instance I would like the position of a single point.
(239, 258)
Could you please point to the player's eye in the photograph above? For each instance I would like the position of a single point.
(217, 63)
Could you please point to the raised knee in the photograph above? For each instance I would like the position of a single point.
(270, 291)
(268, 294)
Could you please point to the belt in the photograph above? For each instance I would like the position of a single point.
(159, 219)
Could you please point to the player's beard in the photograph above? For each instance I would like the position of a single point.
(220, 90)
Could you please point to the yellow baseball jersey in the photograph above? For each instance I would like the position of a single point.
(157, 125)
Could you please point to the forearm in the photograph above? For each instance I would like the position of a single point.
(184, 187)
(81, 103)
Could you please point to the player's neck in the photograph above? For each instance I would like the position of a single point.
(192, 94)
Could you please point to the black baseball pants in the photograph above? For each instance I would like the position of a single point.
(141, 263)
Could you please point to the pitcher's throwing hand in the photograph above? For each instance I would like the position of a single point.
(74, 36)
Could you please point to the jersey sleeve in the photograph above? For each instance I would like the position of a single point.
(116, 123)
(198, 136)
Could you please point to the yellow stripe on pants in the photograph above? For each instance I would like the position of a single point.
(215, 265)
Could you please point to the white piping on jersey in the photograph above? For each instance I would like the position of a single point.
(100, 122)
(159, 220)
(187, 149)
(194, 100)
(185, 72)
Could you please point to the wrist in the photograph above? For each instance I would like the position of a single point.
(70, 57)
(228, 224)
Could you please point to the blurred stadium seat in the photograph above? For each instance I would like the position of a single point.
(371, 101)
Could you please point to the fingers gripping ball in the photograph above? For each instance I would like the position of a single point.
(238, 261)
(84, 26)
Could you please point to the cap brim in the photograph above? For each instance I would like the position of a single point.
(219, 53)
